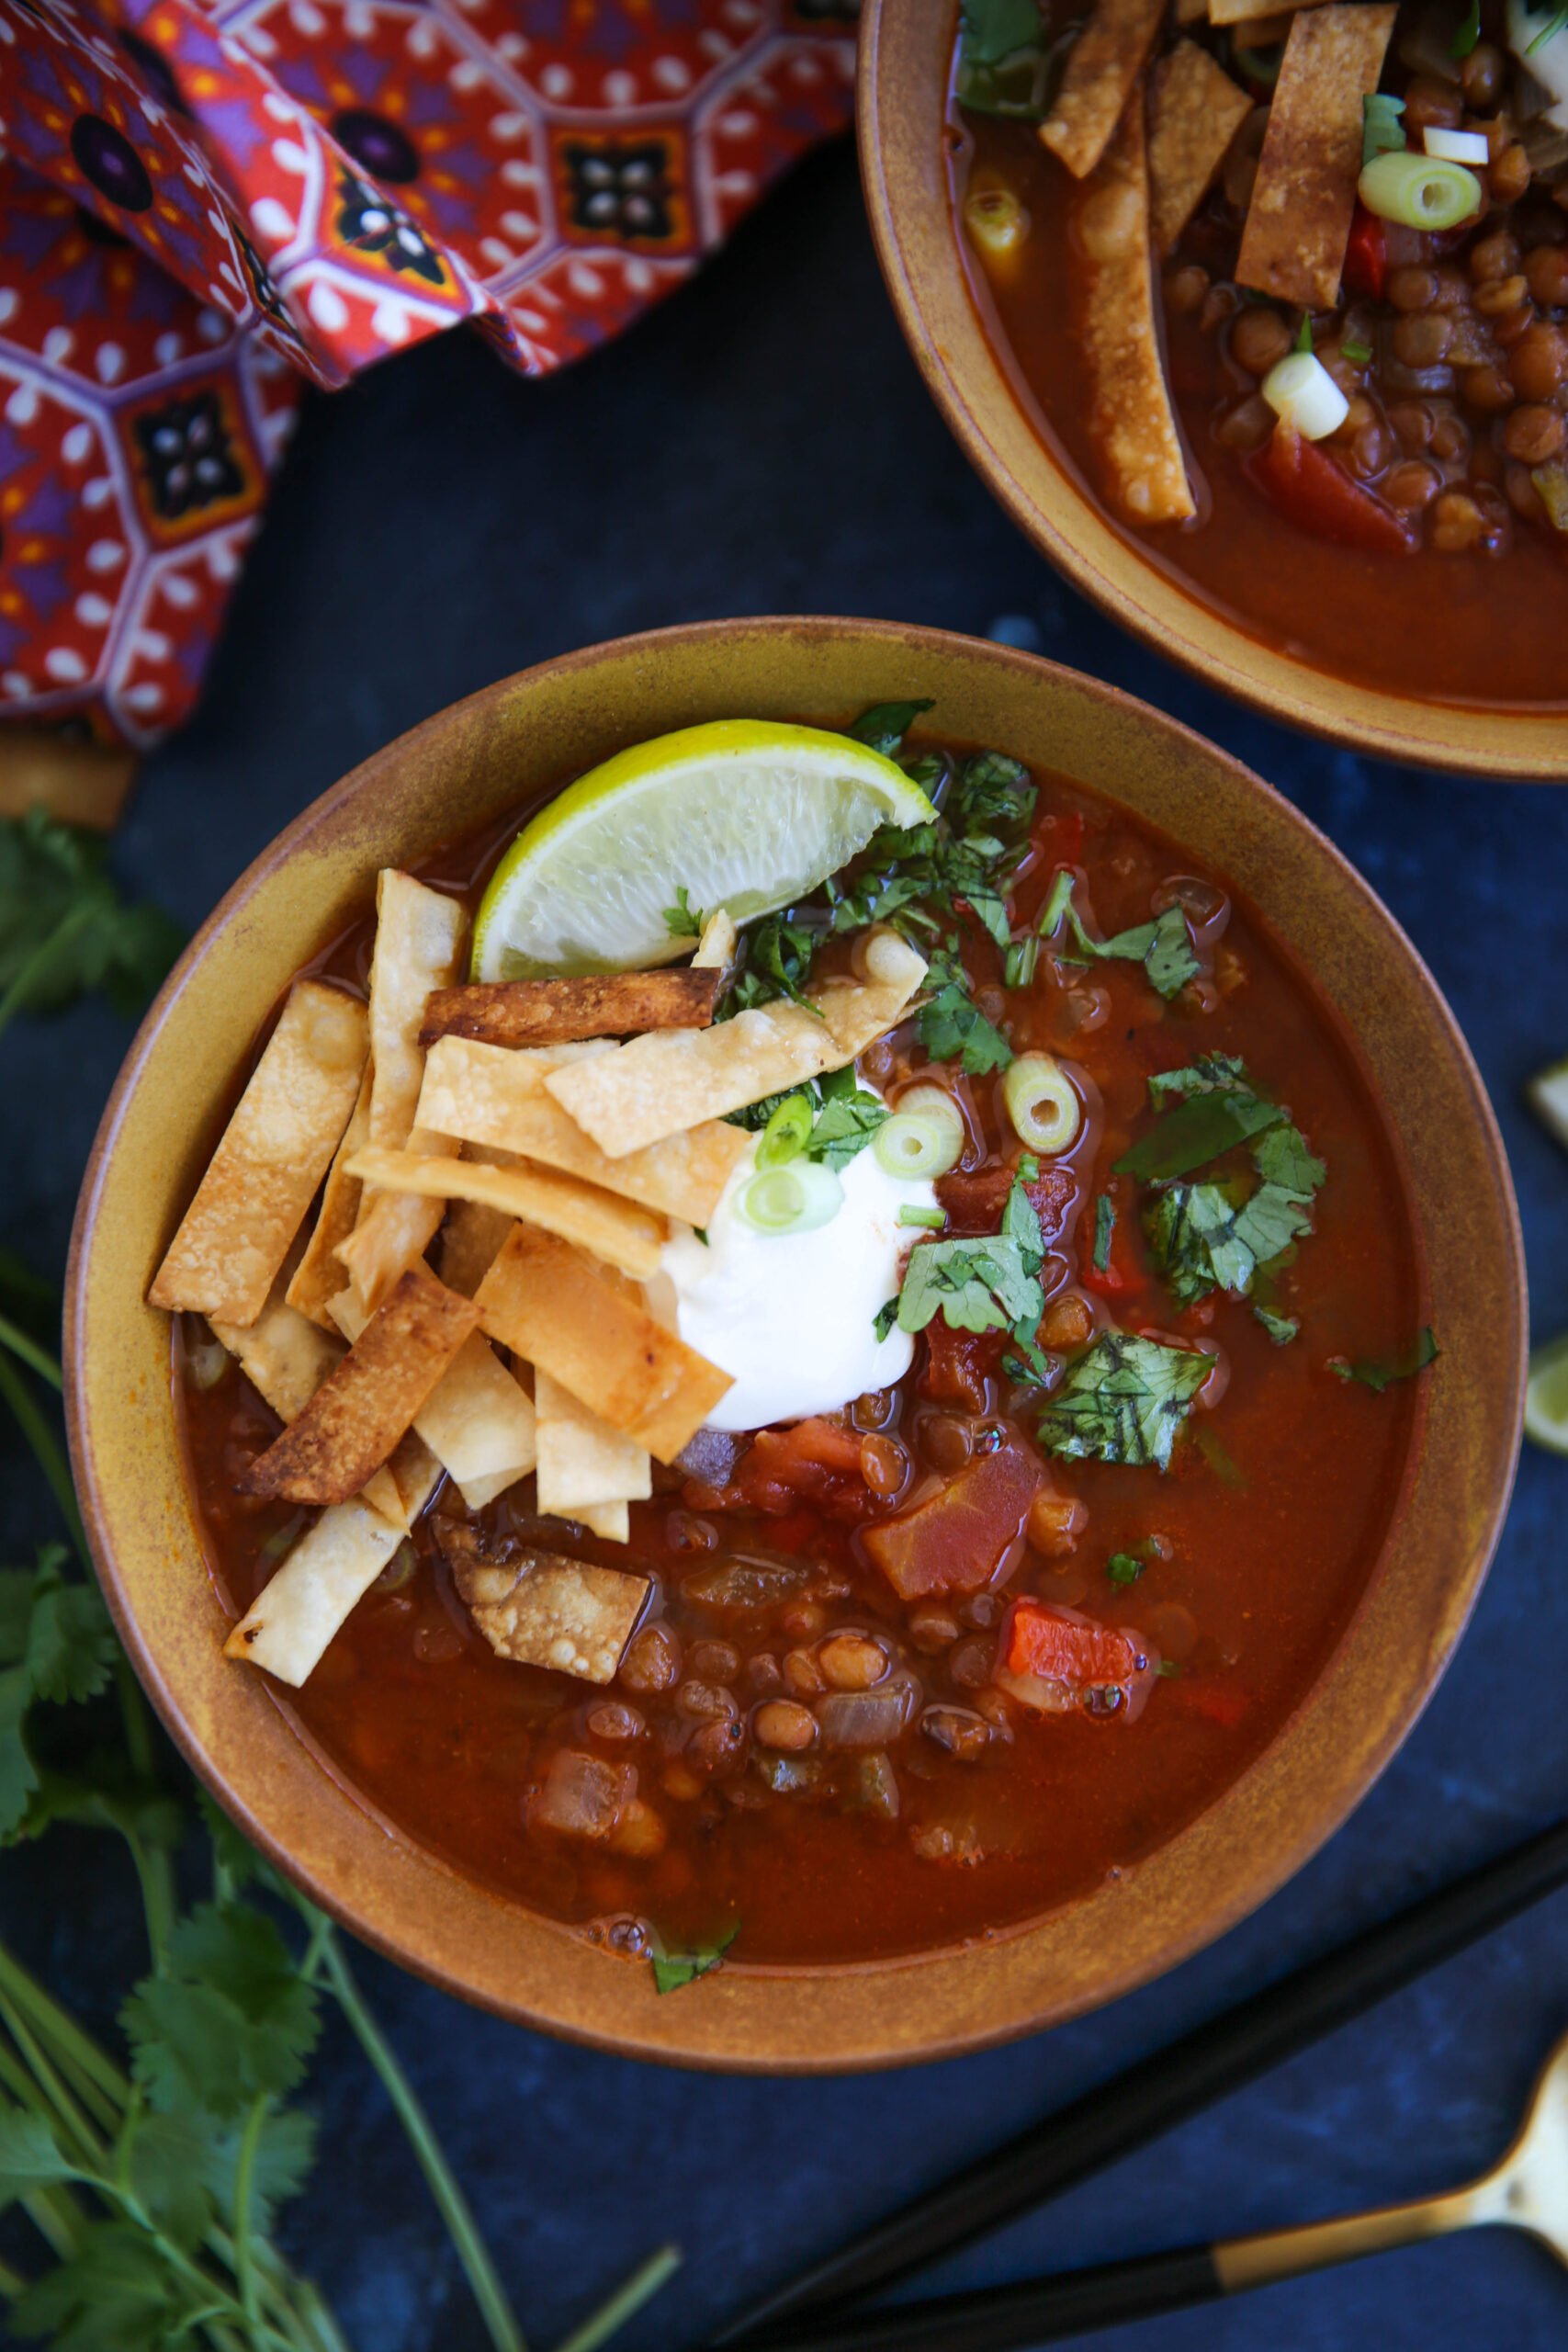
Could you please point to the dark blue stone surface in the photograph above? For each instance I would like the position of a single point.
(761, 445)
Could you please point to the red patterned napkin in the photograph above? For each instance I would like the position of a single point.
(200, 204)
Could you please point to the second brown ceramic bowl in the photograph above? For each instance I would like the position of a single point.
(465, 769)
(906, 62)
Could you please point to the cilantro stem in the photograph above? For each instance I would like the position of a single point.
(31, 1355)
(66, 2037)
(12, 2282)
(626, 2303)
(72, 2119)
(244, 2176)
(488, 2292)
(76, 919)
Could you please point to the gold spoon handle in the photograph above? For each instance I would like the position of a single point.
(1285, 2254)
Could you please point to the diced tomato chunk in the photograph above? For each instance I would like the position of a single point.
(815, 1459)
(1318, 494)
(1040, 1641)
(1366, 255)
(956, 1540)
(958, 1364)
(975, 1202)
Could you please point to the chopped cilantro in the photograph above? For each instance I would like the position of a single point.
(702, 1233)
(682, 920)
(1124, 1400)
(1124, 1568)
(884, 726)
(1379, 1376)
(776, 961)
(65, 929)
(831, 1131)
(886, 1317)
(1209, 1073)
(671, 1970)
(844, 1126)
(1468, 33)
(1168, 1669)
(1104, 1226)
(1209, 1236)
(991, 1283)
(1163, 946)
(1005, 64)
(1383, 128)
(1281, 1329)
(1206, 1122)
(949, 1023)
(963, 860)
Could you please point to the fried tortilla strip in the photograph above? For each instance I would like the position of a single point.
(550, 1304)
(497, 1100)
(641, 1092)
(1192, 12)
(1298, 223)
(585, 1466)
(542, 1607)
(1247, 12)
(1131, 414)
(357, 1416)
(1195, 111)
(476, 1421)
(470, 1242)
(261, 1180)
(558, 1013)
(1103, 66)
(318, 1276)
(334, 1564)
(285, 1358)
(420, 935)
(715, 948)
(614, 1229)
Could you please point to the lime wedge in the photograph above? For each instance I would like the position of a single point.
(1545, 1397)
(742, 813)
(1548, 1094)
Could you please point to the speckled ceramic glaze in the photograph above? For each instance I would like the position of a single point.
(460, 772)
(906, 60)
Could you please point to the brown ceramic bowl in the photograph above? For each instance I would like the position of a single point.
(460, 772)
(904, 69)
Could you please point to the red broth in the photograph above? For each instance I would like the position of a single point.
(1255, 1548)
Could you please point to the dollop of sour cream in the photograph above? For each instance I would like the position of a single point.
(790, 1315)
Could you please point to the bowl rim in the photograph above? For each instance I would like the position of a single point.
(924, 276)
(731, 2031)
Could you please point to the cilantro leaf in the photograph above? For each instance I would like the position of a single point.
(978, 1285)
(1104, 1226)
(1163, 946)
(845, 1126)
(949, 1023)
(65, 928)
(115, 2287)
(30, 2156)
(71, 1642)
(1379, 1376)
(682, 920)
(1124, 1400)
(1282, 1157)
(1382, 127)
(1272, 1218)
(1202, 1126)
(1211, 1073)
(1281, 1329)
(229, 2019)
(1004, 64)
(884, 726)
(776, 961)
(1124, 1568)
(886, 1317)
(1193, 1234)
(671, 1970)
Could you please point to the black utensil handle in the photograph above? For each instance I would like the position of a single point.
(1162, 2090)
(1003, 2319)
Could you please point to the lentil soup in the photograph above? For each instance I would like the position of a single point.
(925, 1661)
(1407, 528)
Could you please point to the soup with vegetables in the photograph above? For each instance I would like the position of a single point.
(1290, 289)
(807, 1430)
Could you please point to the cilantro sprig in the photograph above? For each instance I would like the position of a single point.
(1124, 1400)
(683, 921)
(829, 1121)
(65, 928)
(988, 1283)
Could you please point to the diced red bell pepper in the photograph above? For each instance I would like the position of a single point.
(954, 1542)
(1041, 1643)
(1321, 498)
(959, 1363)
(1366, 255)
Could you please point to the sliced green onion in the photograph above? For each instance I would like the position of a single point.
(909, 1214)
(1456, 146)
(1382, 125)
(1358, 353)
(795, 1198)
(1041, 1103)
(1419, 191)
(209, 1359)
(787, 1133)
(923, 1142)
(996, 221)
(1300, 388)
